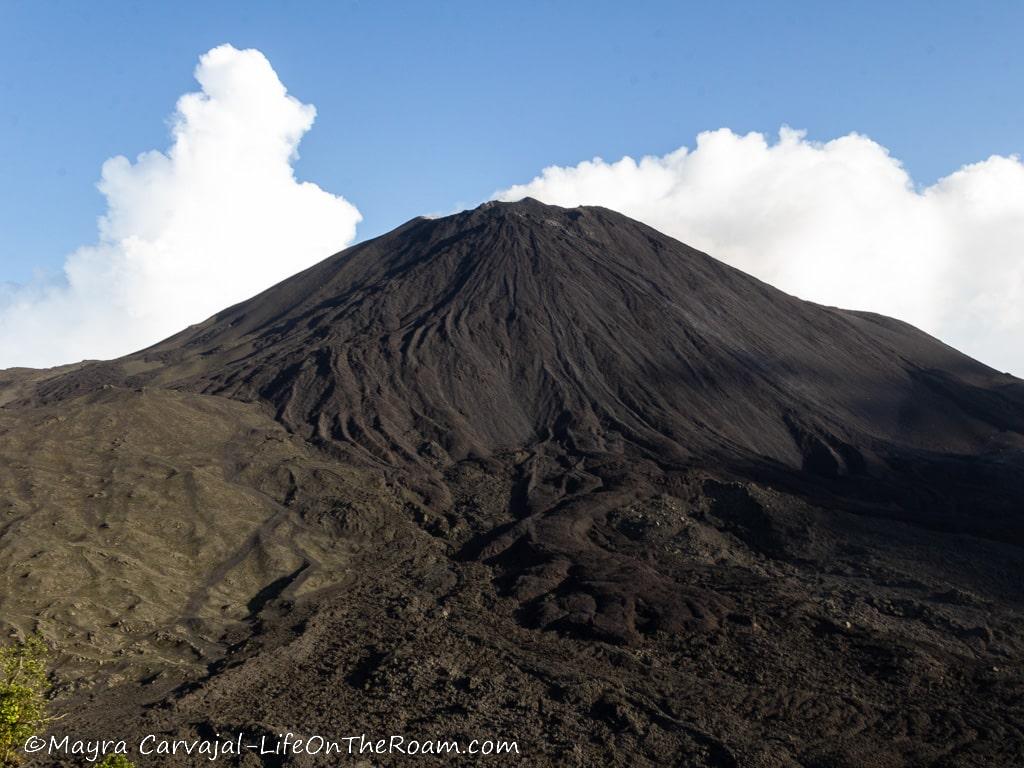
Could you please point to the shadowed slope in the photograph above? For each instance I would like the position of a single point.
(521, 323)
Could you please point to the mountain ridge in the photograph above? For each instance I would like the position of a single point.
(539, 469)
(663, 286)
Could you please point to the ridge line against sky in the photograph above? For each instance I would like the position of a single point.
(220, 215)
(838, 222)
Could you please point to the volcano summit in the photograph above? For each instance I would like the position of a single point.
(535, 473)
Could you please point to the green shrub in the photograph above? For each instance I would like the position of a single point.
(115, 761)
(23, 687)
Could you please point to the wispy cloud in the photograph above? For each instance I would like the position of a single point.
(213, 220)
(840, 223)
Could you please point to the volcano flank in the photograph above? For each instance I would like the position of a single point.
(533, 473)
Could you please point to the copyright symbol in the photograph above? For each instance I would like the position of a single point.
(34, 744)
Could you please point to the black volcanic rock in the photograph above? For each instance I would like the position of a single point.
(516, 324)
(581, 332)
(547, 472)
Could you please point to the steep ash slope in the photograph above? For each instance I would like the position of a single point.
(584, 333)
(519, 323)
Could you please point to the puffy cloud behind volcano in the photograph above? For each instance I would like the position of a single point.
(213, 220)
(839, 223)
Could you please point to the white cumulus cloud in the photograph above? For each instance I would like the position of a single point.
(213, 220)
(839, 223)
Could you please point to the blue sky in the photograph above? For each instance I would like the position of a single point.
(900, 191)
(425, 106)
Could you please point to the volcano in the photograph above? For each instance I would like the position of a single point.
(534, 473)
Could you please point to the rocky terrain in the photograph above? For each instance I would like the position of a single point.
(538, 474)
